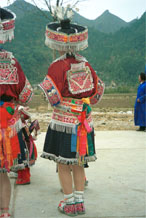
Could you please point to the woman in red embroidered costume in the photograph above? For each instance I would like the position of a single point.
(70, 86)
(14, 89)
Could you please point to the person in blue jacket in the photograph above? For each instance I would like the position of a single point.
(140, 104)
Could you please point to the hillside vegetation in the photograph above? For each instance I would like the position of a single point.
(118, 56)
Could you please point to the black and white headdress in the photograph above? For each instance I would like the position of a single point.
(7, 25)
(63, 35)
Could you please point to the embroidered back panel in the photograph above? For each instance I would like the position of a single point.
(8, 71)
(79, 78)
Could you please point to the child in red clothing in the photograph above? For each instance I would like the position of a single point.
(28, 130)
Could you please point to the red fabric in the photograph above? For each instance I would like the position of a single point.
(19, 177)
(57, 71)
(82, 134)
(4, 117)
(15, 146)
(35, 151)
(9, 147)
(6, 158)
(23, 176)
(14, 90)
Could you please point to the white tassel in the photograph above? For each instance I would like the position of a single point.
(67, 47)
(15, 128)
(77, 57)
(6, 36)
(70, 14)
(62, 12)
(59, 13)
(68, 128)
(72, 161)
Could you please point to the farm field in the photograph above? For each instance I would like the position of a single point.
(114, 112)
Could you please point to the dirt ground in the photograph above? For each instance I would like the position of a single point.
(114, 112)
(102, 120)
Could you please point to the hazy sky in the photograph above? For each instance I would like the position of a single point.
(91, 9)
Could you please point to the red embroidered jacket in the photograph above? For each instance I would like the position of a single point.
(58, 72)
(13, 82)
(72, 77)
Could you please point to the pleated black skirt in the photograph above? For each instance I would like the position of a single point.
(57, 147)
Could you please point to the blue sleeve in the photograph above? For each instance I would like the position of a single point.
(142, 98)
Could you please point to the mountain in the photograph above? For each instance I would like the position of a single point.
(77, 18)
(108, 23)
(117, 57)
(121, 55)
(28, 45)
(21, 7)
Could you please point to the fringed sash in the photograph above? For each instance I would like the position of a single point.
(81, 143)
(9, 143)
(65, 115)
(73, 116)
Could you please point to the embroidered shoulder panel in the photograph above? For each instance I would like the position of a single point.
(26, 94)
(99, 93)
(8, 71)
(79, 78)
(51, 91)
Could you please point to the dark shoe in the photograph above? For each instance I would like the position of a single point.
(141, 128)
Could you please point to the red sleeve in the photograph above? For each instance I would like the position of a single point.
(13, 84)
(22, 79)
(56, 71)
(23, 88)
(95, 78)
(98, 88)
